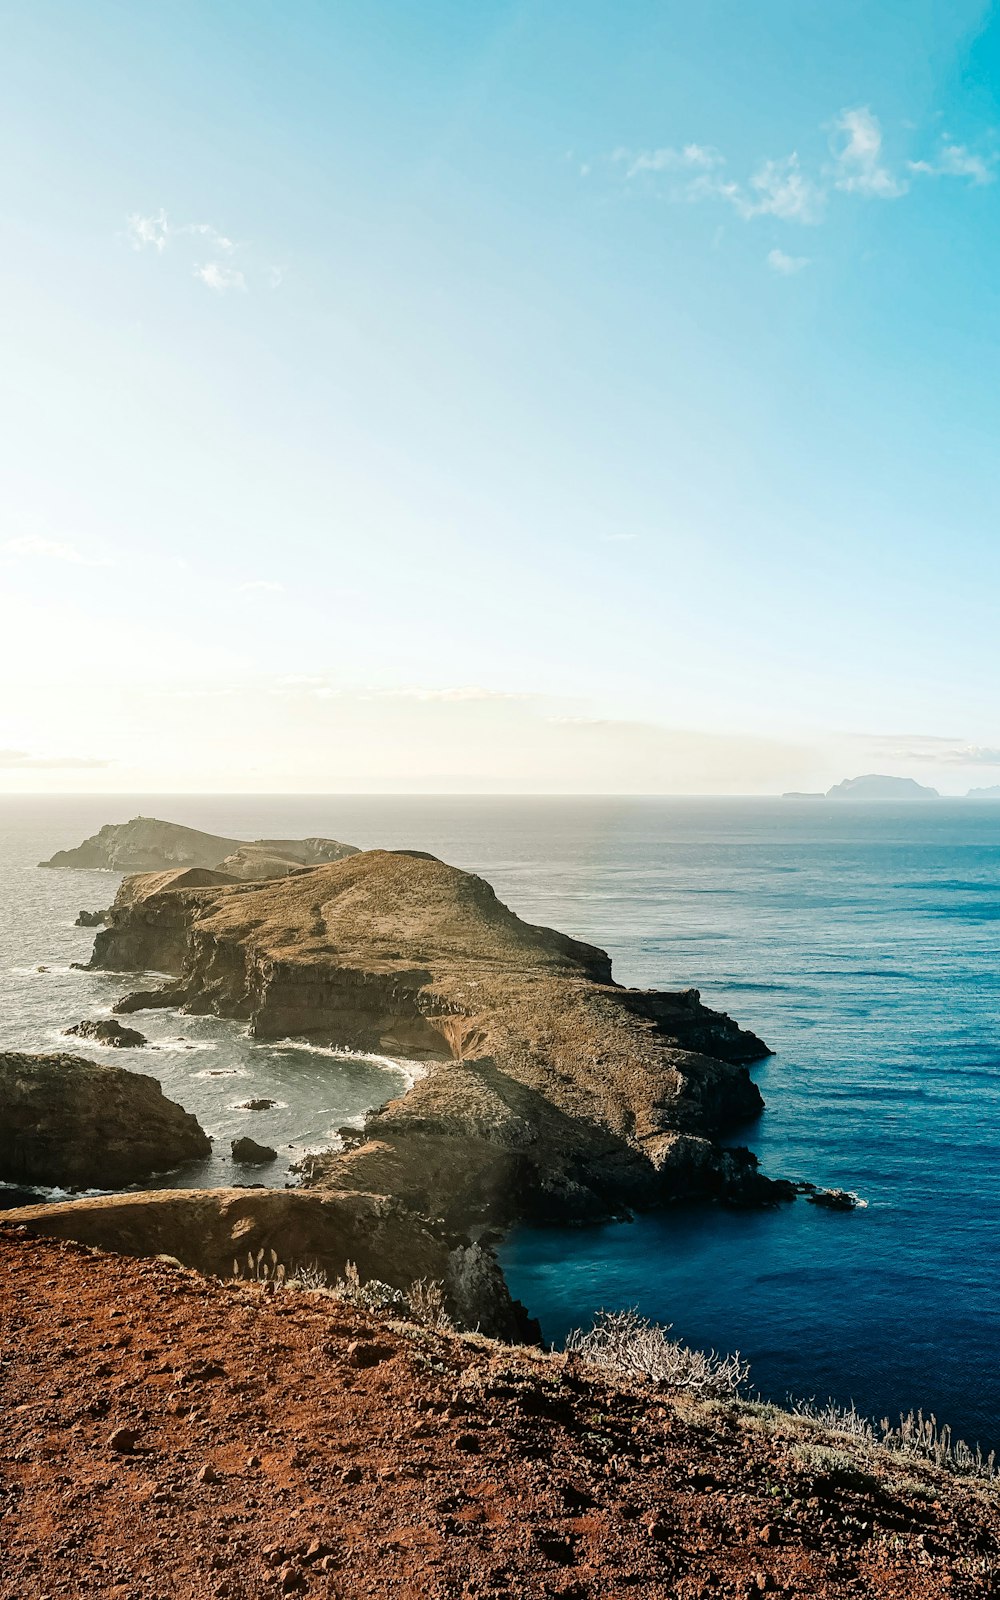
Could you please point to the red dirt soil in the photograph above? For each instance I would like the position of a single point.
(272, 1455)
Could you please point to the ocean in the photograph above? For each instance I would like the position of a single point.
(860, 941)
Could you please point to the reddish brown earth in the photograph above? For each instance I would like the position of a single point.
(263, 1456)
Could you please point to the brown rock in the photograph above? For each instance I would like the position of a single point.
(69, 1121)
(248, 1153)
(107, 1031)
(361, 1354)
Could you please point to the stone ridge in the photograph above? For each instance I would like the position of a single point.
(145, 844)
(550, 1089)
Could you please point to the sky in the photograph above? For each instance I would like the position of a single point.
(554, 396)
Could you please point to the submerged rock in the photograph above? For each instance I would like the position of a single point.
(257, 1105)
(78, 1123)
(835, 1199)
(248, 1153)
(108, 1031)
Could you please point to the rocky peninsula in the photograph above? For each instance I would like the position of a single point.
(145, 844)
(548, 1090)
(542, 1090)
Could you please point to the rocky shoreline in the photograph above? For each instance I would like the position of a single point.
(548, 1091)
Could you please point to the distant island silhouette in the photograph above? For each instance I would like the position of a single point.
(872, 786)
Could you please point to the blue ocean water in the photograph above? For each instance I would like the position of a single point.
(859, 941)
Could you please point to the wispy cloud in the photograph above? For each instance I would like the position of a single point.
(957, 161)
(220, 278)
(785, 264)
(781, 189)
(691, 158)
(156, 231)
(261, 586)
(695, 172)
(932, 749)
(12, 760)
(972, 755)
(784, 189)
(149, 231)
(856, 142)
(29, 547)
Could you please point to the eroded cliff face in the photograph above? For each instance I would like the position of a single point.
(550, 1090)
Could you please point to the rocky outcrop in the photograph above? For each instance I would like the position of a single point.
(148, 845)
(90, 919)
(550, 1090)
(211, 1228)
(248, 1153)
(67, 1121)
(107, 1031)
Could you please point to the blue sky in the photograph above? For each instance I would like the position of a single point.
(556, 396)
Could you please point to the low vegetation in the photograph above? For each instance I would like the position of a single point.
(631, 1347)
(423, 1302)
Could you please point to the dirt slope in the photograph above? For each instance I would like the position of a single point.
(268, 1459)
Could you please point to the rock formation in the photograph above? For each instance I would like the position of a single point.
(550, 1090)
(67, 1121)
(90, 919)
(108, 1031)
(248, 1153)
(147, 845)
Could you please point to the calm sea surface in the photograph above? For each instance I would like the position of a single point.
(859, 941)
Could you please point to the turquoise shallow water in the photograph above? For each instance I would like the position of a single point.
(860, 942)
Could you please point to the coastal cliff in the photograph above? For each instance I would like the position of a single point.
(145, 844)
(549, 1089)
